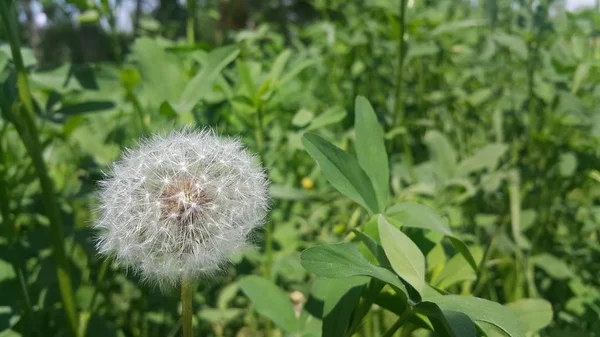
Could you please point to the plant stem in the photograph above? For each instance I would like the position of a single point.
(191, 21)
(399, 117)
(401, 320)
(260, 146)
(187, 295)
(139, 112)
(25, 124)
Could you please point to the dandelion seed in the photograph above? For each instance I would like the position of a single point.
(179, 205)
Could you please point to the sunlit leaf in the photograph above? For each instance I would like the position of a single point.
(342, 171)
(405, 257)
(370, 149)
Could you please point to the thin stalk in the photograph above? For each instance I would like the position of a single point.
(260, 146)
(114, 35)
(187, 294)
(399, 322)
(399, 117)
(25, 124)
(515, 220)
(191, 21)
(139, 111)
(481, 278)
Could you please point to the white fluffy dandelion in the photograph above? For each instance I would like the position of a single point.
(179, 205)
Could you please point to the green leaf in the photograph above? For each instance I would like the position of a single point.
(406, 258)
(480, 310)
(457, 26)
(342, 296)
(161, 72)
(567, 164)
(370, 149)
(330, 116)
(201, 84)
(514, 43)
(457, 269)
(374, 248)
(246, 78)
(302, 117)
(447, 322)
(344, 260)
(535, 313)
(556, 268)
(485, 158)
(480, 96)
(581, 73)
(271, 302)
(6, 271)
(442, 154)
(342, 171)
(420, 216)
(415, 215)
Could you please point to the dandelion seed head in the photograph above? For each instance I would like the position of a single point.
(179, 205)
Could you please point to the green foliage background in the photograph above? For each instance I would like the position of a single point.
(489, 112)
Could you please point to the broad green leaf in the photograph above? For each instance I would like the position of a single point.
(6, 271)
(447, 322)
(370, 149)
(295, 70)
(553, 266)
(271, 302)
(270, 83)
(201, 84)
(341, 297)
(442, 154)
(457, 269)
(374, 248)
(302, 117)
(514, 43)
(342, 171)
(420, 49)
(567, 164)
(415, 215)
(457, 26)
(420, 216)
(278, 65)
(581, 73)
(480, 96)
(330, 116)
(405, 257)
(246, 78)
(344, 260)
(480, 310)
(485, 158)
(161, 72)
(535, 313)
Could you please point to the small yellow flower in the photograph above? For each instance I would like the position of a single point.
(307, 183)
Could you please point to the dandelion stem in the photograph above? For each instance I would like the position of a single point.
(187, 294)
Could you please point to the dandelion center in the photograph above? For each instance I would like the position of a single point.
(182, 200)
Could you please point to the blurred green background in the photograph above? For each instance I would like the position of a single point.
(491, 116)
